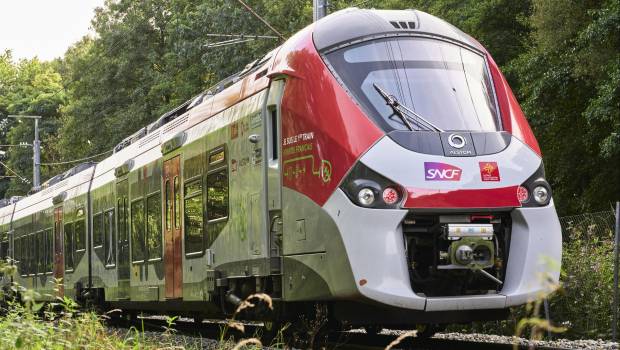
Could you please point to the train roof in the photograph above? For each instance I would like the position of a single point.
(353, 24)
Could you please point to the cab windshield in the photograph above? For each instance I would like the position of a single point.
(444, 83)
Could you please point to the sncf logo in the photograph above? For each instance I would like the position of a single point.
(441, 172)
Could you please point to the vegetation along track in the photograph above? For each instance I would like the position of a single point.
(209, 333)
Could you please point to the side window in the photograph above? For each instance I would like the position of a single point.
(273, 115)
(98, 230)
(110, 237)
(153, 226)
(41, 255)
(121, 222)
(4, 246)
(24, 255)
(193, 216)
(32, 254)
(177, 203)
(217, 193)
(18, 255)
(168, 205)
(68, 246)
(137, 230)
(80, 235)
(49, 262)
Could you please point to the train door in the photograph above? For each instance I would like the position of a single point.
(122, 190)
(273, 166)
(59, 259)
(173, 228)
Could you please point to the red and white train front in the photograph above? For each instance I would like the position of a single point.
(404, 134)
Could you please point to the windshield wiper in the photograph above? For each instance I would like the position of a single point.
(402, 111)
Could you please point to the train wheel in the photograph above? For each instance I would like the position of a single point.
(426, 330)
(310, 330)
(373, 330)
(198, 319)
(275, 333)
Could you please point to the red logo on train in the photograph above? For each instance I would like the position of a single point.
(489, 171)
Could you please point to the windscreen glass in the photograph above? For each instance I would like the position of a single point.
(444, 83)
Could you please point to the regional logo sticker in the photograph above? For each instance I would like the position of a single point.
(489, 171)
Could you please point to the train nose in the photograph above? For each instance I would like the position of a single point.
(428, 229)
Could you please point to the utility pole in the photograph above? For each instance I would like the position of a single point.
(36, 149)
(319, 9)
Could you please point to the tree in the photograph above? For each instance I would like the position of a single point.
(568, 85)
(28, 87)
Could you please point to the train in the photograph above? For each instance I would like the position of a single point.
(376, 165)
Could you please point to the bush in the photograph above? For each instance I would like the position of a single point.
(585, 301)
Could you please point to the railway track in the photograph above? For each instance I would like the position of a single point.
(209, 332)
(365, 341)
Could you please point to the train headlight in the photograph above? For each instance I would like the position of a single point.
(535, 191)
(368, 189)
(366, 197)
(541, 195)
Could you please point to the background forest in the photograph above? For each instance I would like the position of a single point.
(561, 57)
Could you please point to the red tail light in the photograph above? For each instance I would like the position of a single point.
(523, 195)
(390, 196)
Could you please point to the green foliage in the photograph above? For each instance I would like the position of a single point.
(29, 87)
(32, 325)
(568, 85)
(584, 305)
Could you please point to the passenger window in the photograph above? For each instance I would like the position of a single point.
(153, 219)
(4, 246)
(98, 230)
(168, 204)
(68, 246)
(50, 250)
(137, 231)
(80, 235)
(177, 203)
(17, 255)
(193, 217)
(32, 256)
(273, 113)
(25, 255)
(41, 256)
(217, 193)
(109, 237)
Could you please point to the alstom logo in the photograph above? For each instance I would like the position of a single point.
(441, 172)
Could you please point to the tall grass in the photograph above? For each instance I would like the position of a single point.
(28, 324)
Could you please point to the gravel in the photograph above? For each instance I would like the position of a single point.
(594, 344)
(175, 340)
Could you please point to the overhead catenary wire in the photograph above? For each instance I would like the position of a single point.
(78, 160)
(262, 19)
(233, 39)
(242, 36)
(14, 173)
